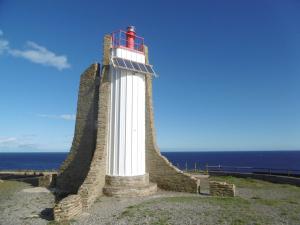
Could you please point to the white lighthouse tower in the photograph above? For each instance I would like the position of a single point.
(126, 135)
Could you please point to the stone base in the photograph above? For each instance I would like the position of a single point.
(128, 186)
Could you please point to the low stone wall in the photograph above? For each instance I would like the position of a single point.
(67, 208)
(222, 189)
(264, 177)
(15, 174)
(35, 178)
(47, 180)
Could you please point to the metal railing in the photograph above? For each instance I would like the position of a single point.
(119, 39)
(197, 167)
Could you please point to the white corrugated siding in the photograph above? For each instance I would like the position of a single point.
(126, 139)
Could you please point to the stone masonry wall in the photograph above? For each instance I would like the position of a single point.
(160, 170)
(68, 208)
(95, 180)
(92, 183)
(75, 168)
(222, 189)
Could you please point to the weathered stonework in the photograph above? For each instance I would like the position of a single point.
(75, 168)
(127, 180)
(95, 180)
(47, 180)
(90, 155)
(68, 208)
(128, 186)
(221, 189)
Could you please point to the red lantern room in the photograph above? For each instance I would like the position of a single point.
(128, 39)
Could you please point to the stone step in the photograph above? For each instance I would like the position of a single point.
(125, 191)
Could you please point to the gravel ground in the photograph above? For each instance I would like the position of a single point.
(257, 203)
(23, 204)
(112, 209)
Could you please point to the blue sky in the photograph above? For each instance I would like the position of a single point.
(229, 70)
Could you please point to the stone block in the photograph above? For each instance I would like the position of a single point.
(221, 189)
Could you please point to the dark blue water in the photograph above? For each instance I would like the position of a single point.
(257, 159)
(31, 161)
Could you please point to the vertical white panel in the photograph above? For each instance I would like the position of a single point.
(112, 122)
(134, 125)
(128, 167)
(117, 124)
(122, 121)
(143, 123)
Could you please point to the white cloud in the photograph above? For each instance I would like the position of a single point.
(36, 54)
(68, 116)
(5, 141)
(33, 143)
(4, 45)
(41, 55)
(16, 142)
(62, 116)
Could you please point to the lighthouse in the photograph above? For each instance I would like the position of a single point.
(126, 130)
(114, 150)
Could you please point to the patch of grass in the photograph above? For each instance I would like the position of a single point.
(221, 201)
(8, 188)
(161, 221)
(242, 182)
(126, 213)
(293, 202)
(136, 213)
(255, 197)
(180, 199)
(269, 202)
(53, 222)
(233, 211)
(129, 211)
(238, 221)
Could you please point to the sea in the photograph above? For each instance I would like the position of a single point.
(280, 161)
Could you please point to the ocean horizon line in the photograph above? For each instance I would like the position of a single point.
(174, 150)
